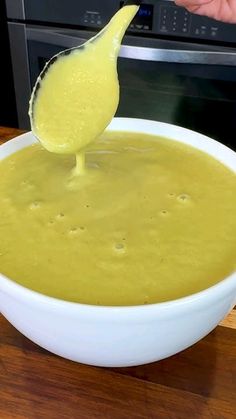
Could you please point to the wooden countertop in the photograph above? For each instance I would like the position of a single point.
(199, 382)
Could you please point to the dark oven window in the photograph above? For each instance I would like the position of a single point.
(191, 96)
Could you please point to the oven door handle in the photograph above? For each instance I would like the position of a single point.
(65, 39)
(192, 55)
(182, 56)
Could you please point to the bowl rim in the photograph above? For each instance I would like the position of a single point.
(10, 286)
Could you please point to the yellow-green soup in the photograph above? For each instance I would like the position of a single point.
(152, 220)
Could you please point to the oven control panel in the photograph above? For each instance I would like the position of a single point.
(155, 17)
(174, 20)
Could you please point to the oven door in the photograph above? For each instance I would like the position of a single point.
(190, 85)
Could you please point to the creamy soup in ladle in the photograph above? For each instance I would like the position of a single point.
(77, 94)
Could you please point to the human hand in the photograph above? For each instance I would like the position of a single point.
(224, 10)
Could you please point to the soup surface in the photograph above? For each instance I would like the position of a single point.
(152, 220)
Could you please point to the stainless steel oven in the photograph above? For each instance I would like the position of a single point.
(173, 66)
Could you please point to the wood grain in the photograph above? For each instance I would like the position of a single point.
(8, 133)
(230, 320)
(199, 382)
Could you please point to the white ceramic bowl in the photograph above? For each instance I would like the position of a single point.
(120, 336)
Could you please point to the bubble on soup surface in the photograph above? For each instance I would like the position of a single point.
(183, 198)
(164, 213)
(119, 247)
(60, 216)
(73, 231)
(35, 205)
(27, 184)
(146, 299)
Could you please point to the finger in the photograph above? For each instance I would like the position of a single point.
(194, 6)
(192, 3)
